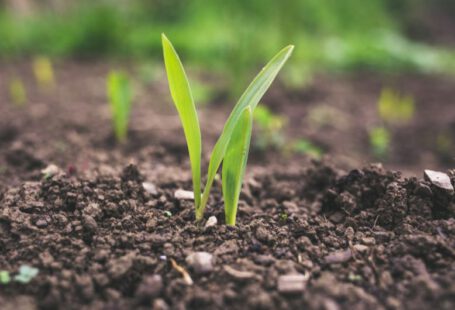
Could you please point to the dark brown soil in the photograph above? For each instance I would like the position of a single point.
(361, 239)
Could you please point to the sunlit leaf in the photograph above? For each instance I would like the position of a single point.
(250, 98)
(234, 164)
(183, 100)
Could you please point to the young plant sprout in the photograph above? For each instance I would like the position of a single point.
(17, 92)
(233, 145)
(120, 98)
(44, 72)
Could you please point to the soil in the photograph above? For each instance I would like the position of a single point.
(366, 238)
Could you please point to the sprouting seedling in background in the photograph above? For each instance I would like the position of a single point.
(120, 98)
(17, 92)
(233, 144)
(5, 278)
(44, 72)
(307, 147)
(270, 128)
(380, 141)
(394, 108)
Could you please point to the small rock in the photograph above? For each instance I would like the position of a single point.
(360, 248)
(201, 262)
(150, 287)
(50, 171)
(349, 233)
(212, 221)
(150, 188)
(439, 179)
(89, 223)
(238, 274)
(338, 257)
(184, 195)
(262, 234)
(41, 223)
(337, 217)
(368, 241)
(292, 283)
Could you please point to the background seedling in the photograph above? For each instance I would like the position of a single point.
(120, 98)
(306, 147)
(4, 277)
(395, 108)
(44, 72)
(17, 92)
(238, 125)
(270, 128)
(380, 141)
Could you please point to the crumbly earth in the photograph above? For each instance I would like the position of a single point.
(367, 239)
(359, 238)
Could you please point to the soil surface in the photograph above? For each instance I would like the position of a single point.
(312, 234)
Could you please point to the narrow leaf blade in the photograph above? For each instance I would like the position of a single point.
(250, 98)
(234, 164)
(183, 100)
(120, 99)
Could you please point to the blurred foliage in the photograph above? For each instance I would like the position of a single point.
(380, 141)
(306, 147)
(269, 128)
(44, 72)
(120, 97)
(17, 92)
(395, 108)
(328, 34)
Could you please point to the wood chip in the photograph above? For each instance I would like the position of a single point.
(186, 276)
(238, 274)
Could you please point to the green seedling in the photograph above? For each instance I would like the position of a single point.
(120, 97)
(44, 72)
(306, 147)
(5, 278)
(380, 141)
(395, 108)
(26, 274)
(270, 128)
(233, 144)
(17, 92)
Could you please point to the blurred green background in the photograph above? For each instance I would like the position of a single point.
(233, 36)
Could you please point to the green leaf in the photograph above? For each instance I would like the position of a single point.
(250, 98)
(5, 278)
(234, 164)
(183, 100)
(120, 97)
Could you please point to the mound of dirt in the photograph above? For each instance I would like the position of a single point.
(313, 238)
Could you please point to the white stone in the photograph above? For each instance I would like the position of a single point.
(184, 195)
(201, 262)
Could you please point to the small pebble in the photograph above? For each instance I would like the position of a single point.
(150, 188)
(50, 171)
(360, 248)
(41, 223)
(292, 283)
(238, 274)
(201, 262)
(184, 195)
(368, 241)
(439, 179)
(338, 257)
(212, 221)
